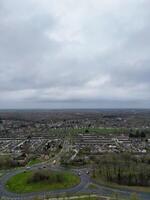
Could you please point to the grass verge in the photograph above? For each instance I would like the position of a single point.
(117, 186)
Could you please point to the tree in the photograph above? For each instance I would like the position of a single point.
(143, 135)
(137, 133)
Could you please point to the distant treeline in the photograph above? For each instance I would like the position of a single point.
(138, 133)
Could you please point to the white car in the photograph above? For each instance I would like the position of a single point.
(54, 162)
(28, 167)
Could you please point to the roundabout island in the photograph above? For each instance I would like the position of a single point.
(41, 180)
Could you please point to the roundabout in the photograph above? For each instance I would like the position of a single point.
(78, 182)
(12, 184)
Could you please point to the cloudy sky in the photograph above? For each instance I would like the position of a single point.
(74, 53)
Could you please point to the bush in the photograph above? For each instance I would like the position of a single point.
(6, 162)
(54, 177)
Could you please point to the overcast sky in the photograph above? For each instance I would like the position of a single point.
(74, 53)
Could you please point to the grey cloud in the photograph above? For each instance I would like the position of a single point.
(74, 52)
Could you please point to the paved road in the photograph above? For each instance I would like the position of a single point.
(85, 181)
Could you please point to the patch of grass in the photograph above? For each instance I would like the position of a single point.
(117, 186)
(20, 183)
(1, 174)
(92, 186)
(33, 162)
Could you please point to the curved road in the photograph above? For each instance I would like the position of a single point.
(85, 181)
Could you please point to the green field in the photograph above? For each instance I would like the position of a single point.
(20, 182)
(101, 130)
